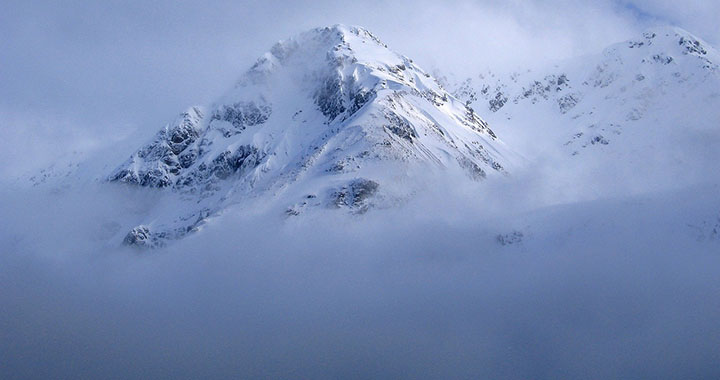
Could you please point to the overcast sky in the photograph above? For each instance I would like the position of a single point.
(81, 74)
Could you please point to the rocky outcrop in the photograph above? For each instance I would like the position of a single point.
(356, 195)
(239, 115)
(160, 162)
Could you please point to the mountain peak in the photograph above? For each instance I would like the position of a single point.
(336, 34)
(331, 117)
(325, 39)
(347, 31)
(323, 49)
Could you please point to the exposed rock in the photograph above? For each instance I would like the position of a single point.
(355, 195)
(400, 127)
(514, 237)
(692, 45)
(139, 237)
(498, 102)
(474, 170)
(599, 139)
(221, 167)
(662, 58)
(241, 115)
(568, 102)
(158, 163)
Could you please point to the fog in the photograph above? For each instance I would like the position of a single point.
(547, 273)
(616, 288)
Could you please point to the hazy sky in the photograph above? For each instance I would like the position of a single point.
(81, 74)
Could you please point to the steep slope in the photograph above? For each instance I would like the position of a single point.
(645, 113)
(331, 117)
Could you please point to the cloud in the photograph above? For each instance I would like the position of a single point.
(605, 289)
(697, 16)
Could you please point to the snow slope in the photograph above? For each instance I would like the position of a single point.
(641, 116)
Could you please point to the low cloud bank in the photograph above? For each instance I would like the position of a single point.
(621, 288)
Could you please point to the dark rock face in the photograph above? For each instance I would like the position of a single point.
(498, 102)
(465, 91)
(143, 237)
(241, 115)
(473, 169)
(139, 237)
(692, 46)
(400, 127)
(355, 195)
(599, 139)
(474, 121)
(166, 155)
(171, 160)
(362, 97)
(568, 102)
(227, 163)
(542, 89)
(339, 98)
(497, 96)
(662, 58)
(150, 178)
(514, 237)
(435, 98)
(329, 98)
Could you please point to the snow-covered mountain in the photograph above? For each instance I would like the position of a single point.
(643, 113)
(333, 119)
(329, 118)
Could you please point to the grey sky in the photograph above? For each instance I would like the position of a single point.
(76, 74)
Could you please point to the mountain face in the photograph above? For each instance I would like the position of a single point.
(330, 118)
(643, 111)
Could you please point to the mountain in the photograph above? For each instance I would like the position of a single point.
(332, 119)
(643, 113)
(329, 118)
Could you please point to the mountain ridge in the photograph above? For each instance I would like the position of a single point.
(640, 112)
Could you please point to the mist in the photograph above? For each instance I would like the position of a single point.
(556, 270)
(615, 288)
